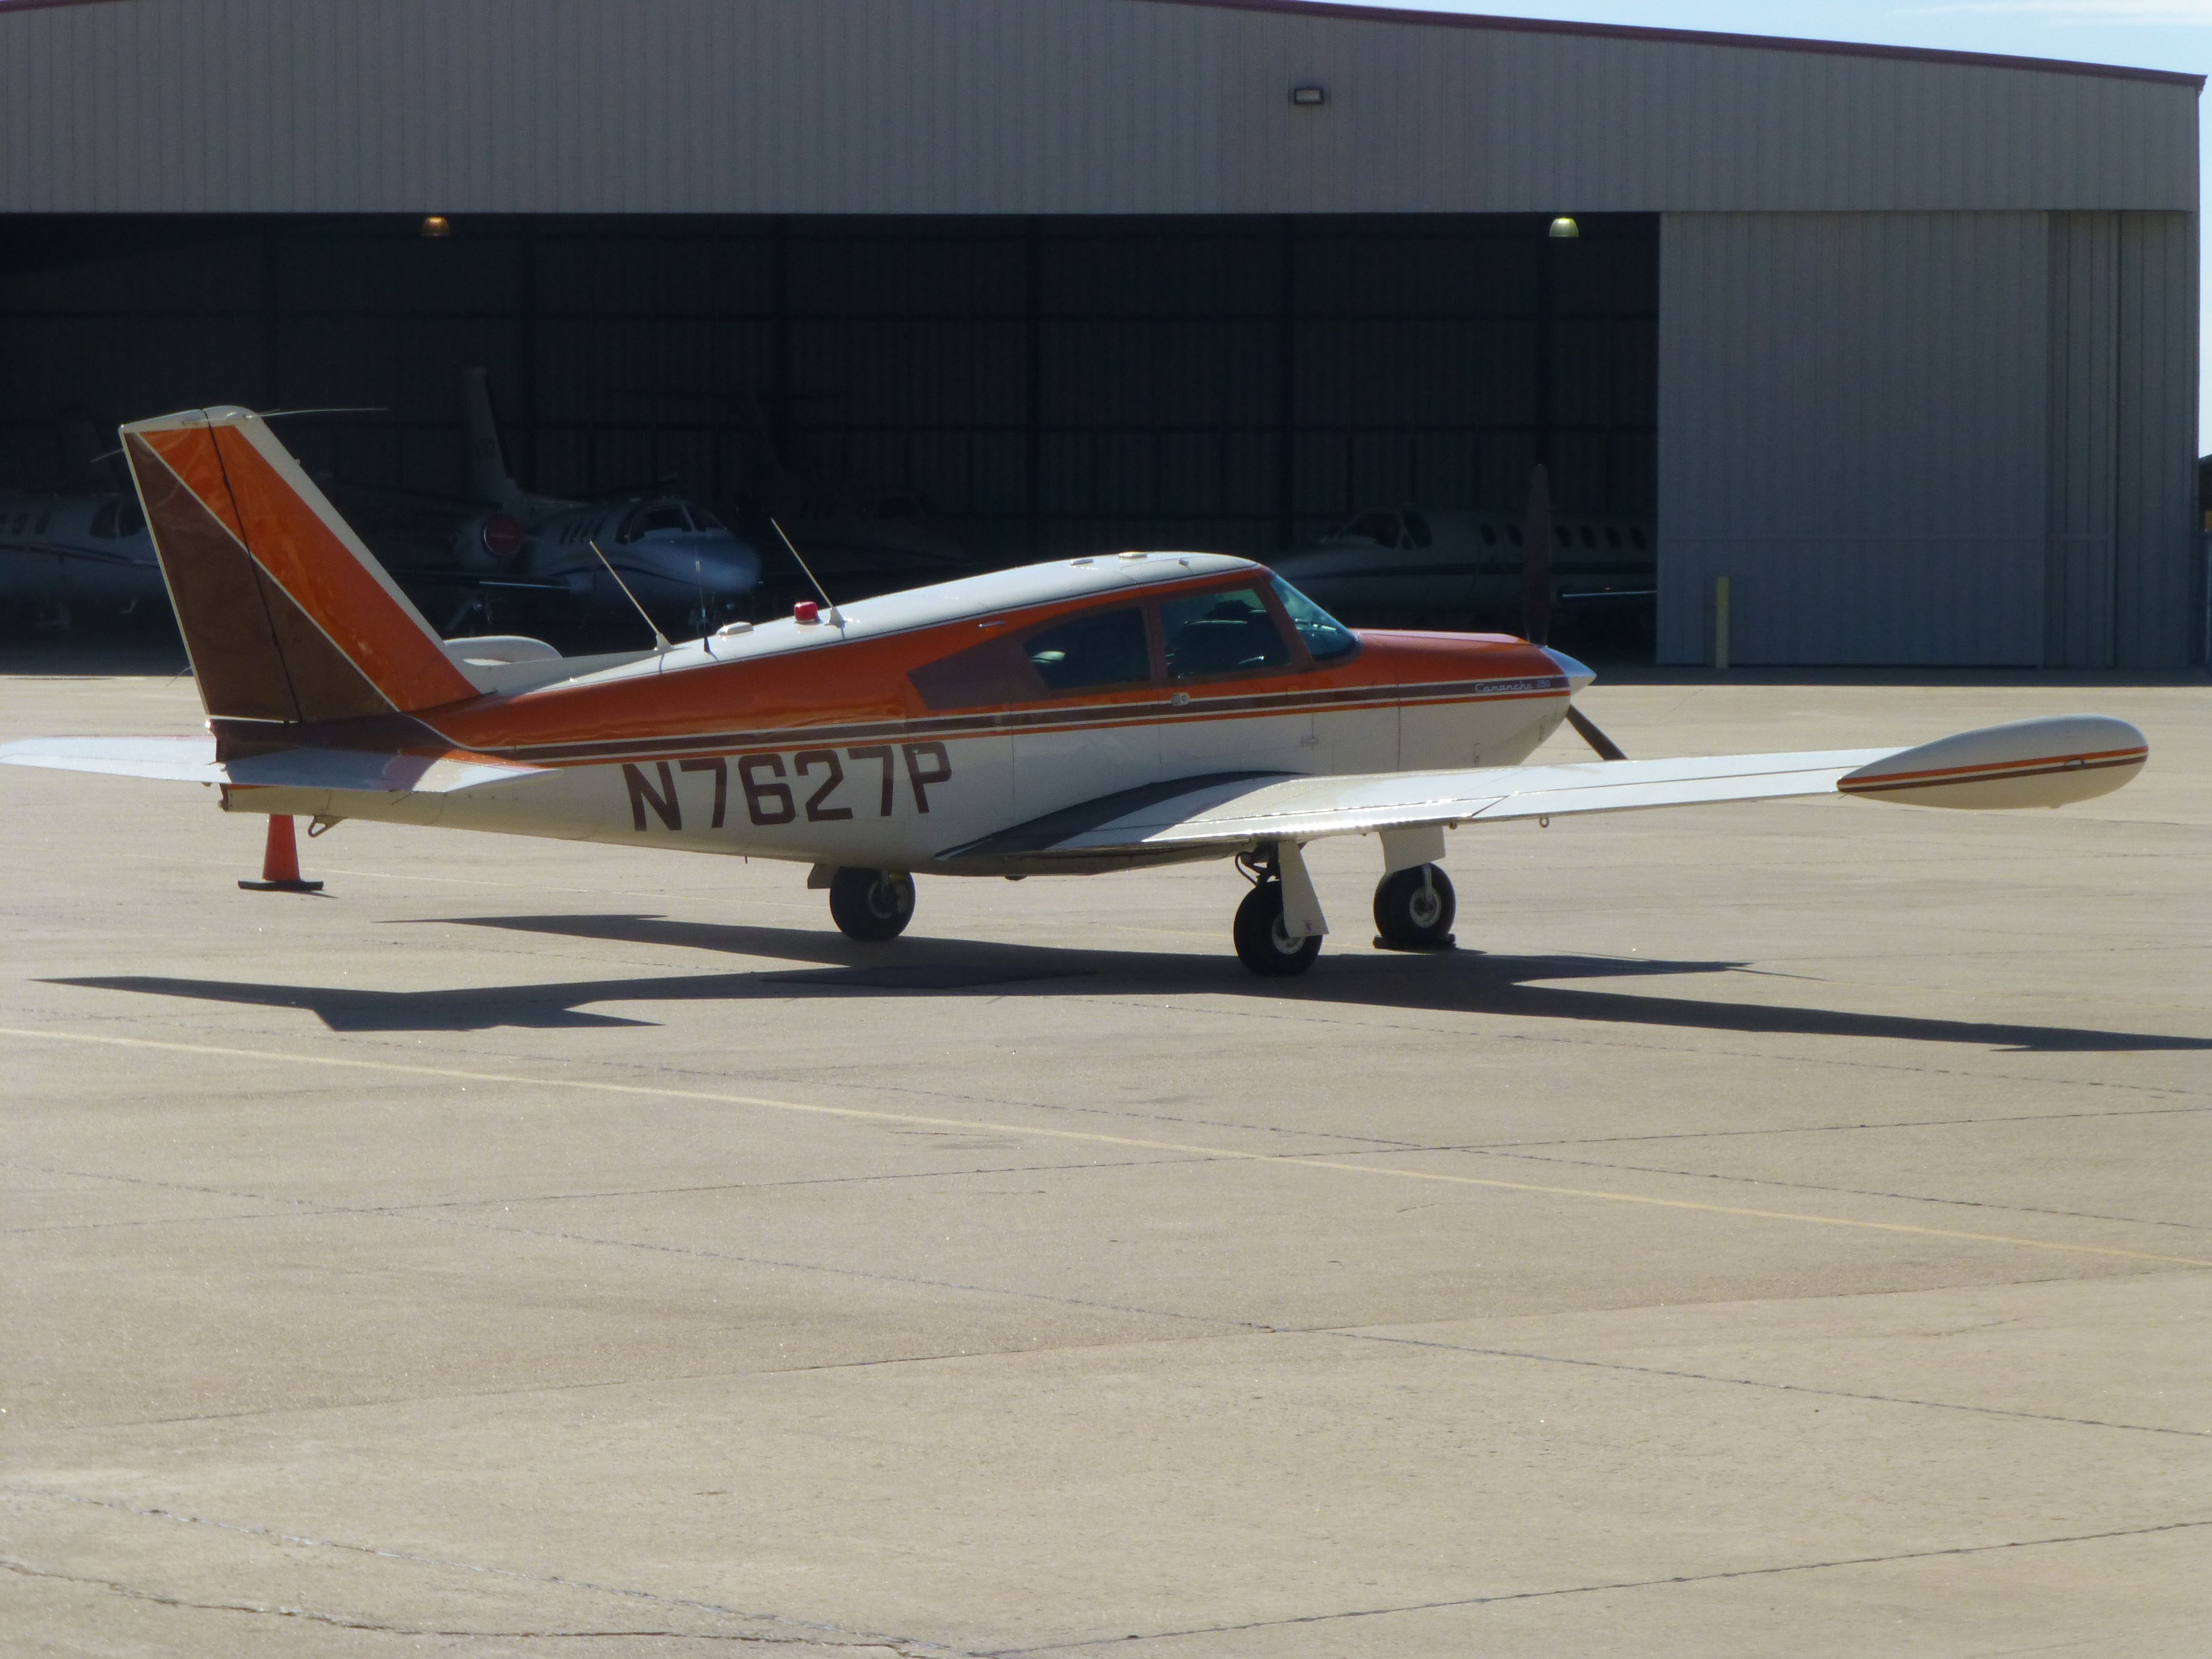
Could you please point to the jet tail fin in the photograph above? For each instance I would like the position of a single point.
(490, 480)
(286, 615)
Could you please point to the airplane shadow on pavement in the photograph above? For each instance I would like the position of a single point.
(1460, 981)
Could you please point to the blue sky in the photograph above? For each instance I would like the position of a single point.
(2167, 34)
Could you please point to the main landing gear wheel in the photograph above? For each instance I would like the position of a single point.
(1413, 909)
(870, 904)
(1263, 944)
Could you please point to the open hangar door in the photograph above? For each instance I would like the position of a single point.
(1025, 388)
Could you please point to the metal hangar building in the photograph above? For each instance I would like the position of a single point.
(1902, 344)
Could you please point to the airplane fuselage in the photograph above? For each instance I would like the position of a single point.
(93, 549)
(908, 734)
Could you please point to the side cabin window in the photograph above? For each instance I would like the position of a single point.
(1220, 633)
(1096, 650)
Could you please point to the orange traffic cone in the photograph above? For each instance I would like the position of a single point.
(280, 862)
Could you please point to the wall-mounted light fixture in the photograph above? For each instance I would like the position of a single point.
(437, 225)
(1564, 226)
(1309, 97)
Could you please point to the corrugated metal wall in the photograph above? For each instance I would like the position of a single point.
(2084, 439)
(1960, 438)
(1851, 428)
(2158, 596)
(984, 106)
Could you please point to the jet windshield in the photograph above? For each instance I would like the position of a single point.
(1325, 637)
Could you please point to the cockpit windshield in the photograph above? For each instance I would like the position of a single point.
(1381, 528)
(655, 515)
(1325, 637)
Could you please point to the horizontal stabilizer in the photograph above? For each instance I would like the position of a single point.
(192, 760)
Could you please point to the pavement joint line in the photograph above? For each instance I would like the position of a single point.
(703, 1253)
(451, 1564)
(1605, 1588)
(1816, 1187)
(1535, 1358)
(1836, 1128)
(1227, 1154)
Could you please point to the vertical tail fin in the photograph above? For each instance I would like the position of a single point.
(286, 615)
(490, 480)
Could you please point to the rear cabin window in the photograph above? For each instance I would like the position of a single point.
(1098, 650)
(1102, 649)
(1220, 633)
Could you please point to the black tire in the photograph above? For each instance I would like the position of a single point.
(1263, 943)
(1413, 909)
(873, 905)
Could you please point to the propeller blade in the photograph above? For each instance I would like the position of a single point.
(1586, 729)
(1536, 566)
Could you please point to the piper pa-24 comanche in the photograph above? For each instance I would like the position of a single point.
(1067, 718)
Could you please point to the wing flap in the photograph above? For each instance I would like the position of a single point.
(1237, 813)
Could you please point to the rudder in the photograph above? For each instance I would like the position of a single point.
(285, 614)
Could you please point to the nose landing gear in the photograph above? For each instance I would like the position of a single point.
(1413, 909)
(1266, 940)
(871, 905)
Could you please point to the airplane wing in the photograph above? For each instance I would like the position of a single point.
(1233, 813)
(2035, 763)
(192, 760)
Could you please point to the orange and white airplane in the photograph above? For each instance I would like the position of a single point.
(1077, 716)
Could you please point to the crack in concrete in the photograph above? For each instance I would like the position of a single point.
(814, 1629)
(1756, 1382)
(1775, 1570)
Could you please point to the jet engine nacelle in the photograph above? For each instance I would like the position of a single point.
(2047, 762)
(490, 541)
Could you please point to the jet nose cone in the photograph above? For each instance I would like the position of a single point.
(1578, 675)
(726, 564)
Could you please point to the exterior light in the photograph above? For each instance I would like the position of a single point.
(1561, 226)
(1309, 97)
(437, 225)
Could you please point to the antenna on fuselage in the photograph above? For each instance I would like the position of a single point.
(829, 604)
(659, 639)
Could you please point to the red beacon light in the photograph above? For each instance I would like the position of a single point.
(806, 611)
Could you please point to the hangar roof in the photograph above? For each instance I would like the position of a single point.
(1035, 106)
(1638, 31)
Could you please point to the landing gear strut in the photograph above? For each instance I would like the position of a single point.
(1265, 943)
(1413, 909)
(873, 905)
